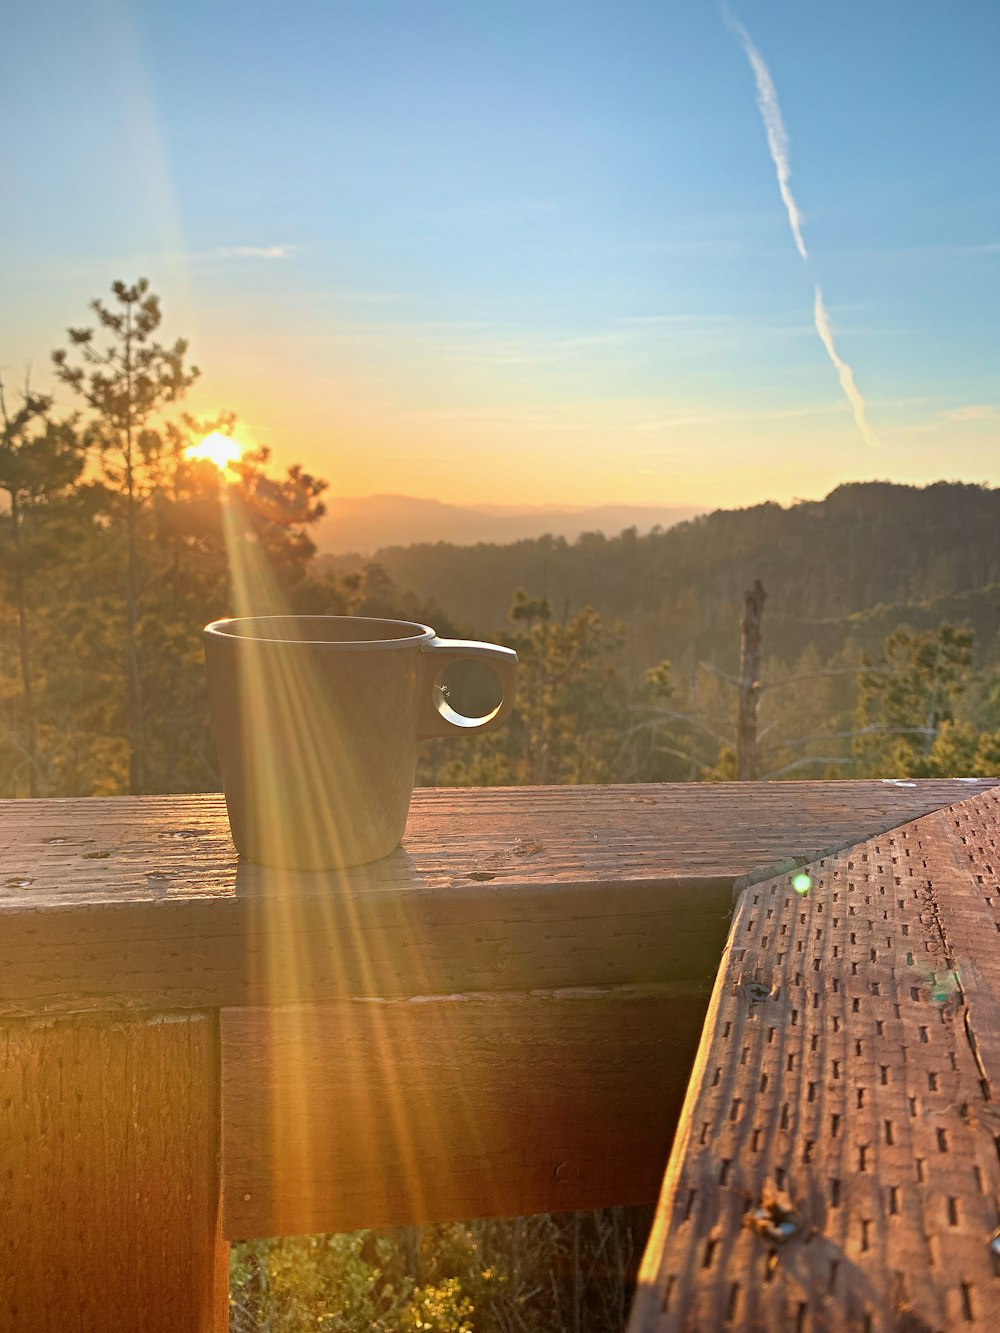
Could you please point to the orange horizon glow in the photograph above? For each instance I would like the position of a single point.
(517, 448)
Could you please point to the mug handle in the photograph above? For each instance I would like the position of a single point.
(437, 717)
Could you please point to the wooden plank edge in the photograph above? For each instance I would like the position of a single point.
(139, 957)
(788, 864)
(648, 1299)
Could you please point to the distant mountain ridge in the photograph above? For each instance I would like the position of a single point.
(869, 556)
(367, 523)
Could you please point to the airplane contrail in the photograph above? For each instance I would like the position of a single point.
(844, 372)
(777, 142)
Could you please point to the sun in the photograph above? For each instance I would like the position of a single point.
(215, 448)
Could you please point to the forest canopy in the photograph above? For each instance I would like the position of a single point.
(881, 639)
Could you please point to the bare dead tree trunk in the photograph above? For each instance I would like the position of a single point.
(749, 682)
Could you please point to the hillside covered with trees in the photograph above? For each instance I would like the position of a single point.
(636, 639)
(880, 638)
(825, 563)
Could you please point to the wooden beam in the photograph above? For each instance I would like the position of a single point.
(109, 1179)
(132, 903)
(836, 1162)
(336, 944)
(380, 1114)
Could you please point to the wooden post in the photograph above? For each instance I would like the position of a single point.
(109, 1176)
(750, 641)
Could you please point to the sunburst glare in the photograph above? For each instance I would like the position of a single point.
(216, 448)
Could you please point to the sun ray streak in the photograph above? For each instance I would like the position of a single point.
(395, 1097)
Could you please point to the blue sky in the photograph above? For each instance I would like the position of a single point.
(529, 252)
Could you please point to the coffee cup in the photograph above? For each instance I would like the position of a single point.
(316, 720)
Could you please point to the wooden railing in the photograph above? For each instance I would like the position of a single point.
(501, 1018)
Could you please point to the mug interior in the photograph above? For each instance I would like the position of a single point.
(345, 630)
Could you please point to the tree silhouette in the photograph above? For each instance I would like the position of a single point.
(126, 383)
(39, 463)
(906, 697)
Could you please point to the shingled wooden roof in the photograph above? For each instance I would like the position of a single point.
(836, 1162)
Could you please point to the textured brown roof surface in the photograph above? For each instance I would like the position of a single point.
(836, 1165)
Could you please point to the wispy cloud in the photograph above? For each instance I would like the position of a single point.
(252, 252)
(501, 212)
(954, 248)
(777, 142)
(741, 417)
(972, 412)
(505, 344)
(626, 416)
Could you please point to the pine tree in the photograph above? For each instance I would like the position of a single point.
(40, 462)
(906, 697)
(127, 383)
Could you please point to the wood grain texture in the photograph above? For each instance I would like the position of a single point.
(140, 902)
(109, 1179)
(380, 1114)
(836, 1165)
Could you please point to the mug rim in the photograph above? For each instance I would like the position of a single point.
(217, 631)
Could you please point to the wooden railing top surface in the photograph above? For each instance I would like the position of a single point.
(142, 902)
(836, 1162)
(77, 853)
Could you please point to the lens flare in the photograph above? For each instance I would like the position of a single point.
(215, 448)
(942, 987)
(802, 883)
